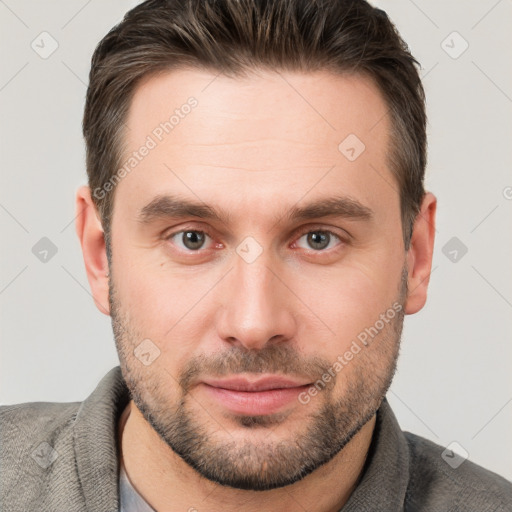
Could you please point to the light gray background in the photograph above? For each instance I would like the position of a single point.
(454, 380)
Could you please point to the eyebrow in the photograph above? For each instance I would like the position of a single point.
(174, 207)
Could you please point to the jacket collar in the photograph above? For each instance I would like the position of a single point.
(385, 477)
(96, 442)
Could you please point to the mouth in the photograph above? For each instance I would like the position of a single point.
(257, 396)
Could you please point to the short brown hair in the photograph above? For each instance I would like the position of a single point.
(235, 36)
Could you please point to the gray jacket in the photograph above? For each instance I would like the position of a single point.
(64, 457)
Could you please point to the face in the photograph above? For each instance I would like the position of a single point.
(258, 273)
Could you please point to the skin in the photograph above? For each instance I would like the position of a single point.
(255, 147)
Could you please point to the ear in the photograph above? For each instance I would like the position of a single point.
(90, 232)
(419, 255)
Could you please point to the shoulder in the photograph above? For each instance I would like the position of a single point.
(26, 428)
(443, 480)
(33, 418)
(33, 436)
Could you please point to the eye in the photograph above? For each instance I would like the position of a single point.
(190, 239)
(319, 240)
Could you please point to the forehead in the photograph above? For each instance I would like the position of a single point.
(306, 107)
(269, 134)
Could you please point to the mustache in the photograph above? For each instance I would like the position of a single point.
(280, 359)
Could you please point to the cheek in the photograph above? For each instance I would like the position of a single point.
(169, 306)
(348, 300)
(147, 292)
(159, 304)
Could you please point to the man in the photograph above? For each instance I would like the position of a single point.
(256, 226)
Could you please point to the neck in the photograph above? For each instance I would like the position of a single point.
(168, 483)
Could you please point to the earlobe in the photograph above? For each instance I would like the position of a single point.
(90, 233)
(419, 255)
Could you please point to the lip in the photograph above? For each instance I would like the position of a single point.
(256, 384)
(258, 396)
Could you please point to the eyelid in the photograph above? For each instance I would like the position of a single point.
(170, 232)
(343, 235)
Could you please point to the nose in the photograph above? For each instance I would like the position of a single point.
(257, 306)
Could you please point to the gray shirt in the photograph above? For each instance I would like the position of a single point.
(130, 499)
(64, 457)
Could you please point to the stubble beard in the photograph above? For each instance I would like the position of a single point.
(273, 461)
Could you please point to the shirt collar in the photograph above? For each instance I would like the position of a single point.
(130, 499)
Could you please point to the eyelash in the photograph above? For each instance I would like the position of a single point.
(298, 236)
